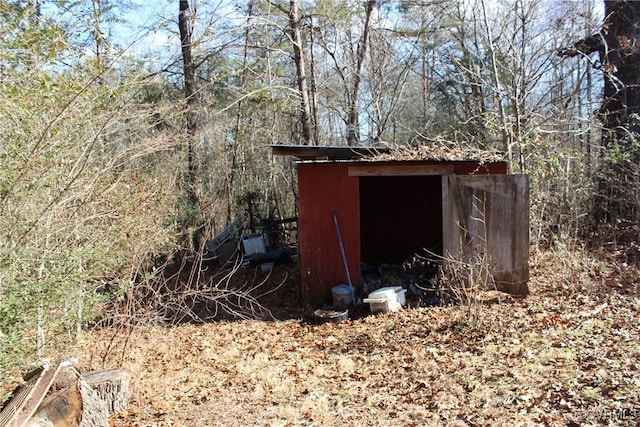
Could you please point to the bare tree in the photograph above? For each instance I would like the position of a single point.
(353, 128)
(298, 56)
(191, 126)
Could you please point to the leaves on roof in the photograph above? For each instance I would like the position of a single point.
(439, 151)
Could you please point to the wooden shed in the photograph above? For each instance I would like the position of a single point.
(390, 207)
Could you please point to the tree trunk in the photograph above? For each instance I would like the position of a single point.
(507, 136)
(353, 133)
(619, 50)
(112, 388)
(620, 56)
(313, 88)
(298, 55)
(99, 36)
(619, 53)
(238, 130)
(189, 70)
(35, 13)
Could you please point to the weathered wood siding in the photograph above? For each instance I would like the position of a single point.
(489, 214)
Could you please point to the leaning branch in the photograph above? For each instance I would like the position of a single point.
(586, 46)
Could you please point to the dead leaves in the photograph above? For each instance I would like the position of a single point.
(555, 358)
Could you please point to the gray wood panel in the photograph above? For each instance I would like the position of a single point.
(489, 215)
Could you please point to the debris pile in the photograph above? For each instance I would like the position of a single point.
(55, 395)
(438, 151)
(240, 240)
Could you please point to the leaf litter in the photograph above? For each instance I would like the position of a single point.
(568, 354)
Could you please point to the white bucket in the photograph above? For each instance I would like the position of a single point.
(342, 295)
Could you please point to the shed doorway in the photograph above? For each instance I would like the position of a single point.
(400, 216)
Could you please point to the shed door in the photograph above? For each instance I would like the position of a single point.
(487, 217)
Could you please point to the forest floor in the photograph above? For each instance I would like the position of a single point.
(568, 354)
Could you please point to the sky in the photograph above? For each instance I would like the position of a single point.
(139, 28)
(153, 25)
(149, 29)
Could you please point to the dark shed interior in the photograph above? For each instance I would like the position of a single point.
(400, 216)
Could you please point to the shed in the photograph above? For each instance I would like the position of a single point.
(393, 205)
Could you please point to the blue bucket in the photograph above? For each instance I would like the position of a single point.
(342, 295)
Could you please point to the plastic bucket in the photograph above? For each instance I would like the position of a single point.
(342, 295)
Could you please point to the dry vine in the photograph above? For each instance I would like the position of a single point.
(191, 293)
(464, 275)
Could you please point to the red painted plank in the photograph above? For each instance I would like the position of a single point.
(325, 189)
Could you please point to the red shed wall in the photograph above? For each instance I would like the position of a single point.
(325, 189)
(476, 168)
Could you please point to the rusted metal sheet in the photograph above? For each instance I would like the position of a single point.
(489, 214)
(324, 152)
(325, 189)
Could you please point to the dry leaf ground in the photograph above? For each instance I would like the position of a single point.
(569, 354)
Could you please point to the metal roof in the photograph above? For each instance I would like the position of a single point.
(421, 153)
(309, 152)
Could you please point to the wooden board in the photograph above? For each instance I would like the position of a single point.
(28, 398)
(401, 170)
(63, 405)
(489, 214)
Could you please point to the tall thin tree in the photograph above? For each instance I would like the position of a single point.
(353, 132)
(303, 86)
(185, 20)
